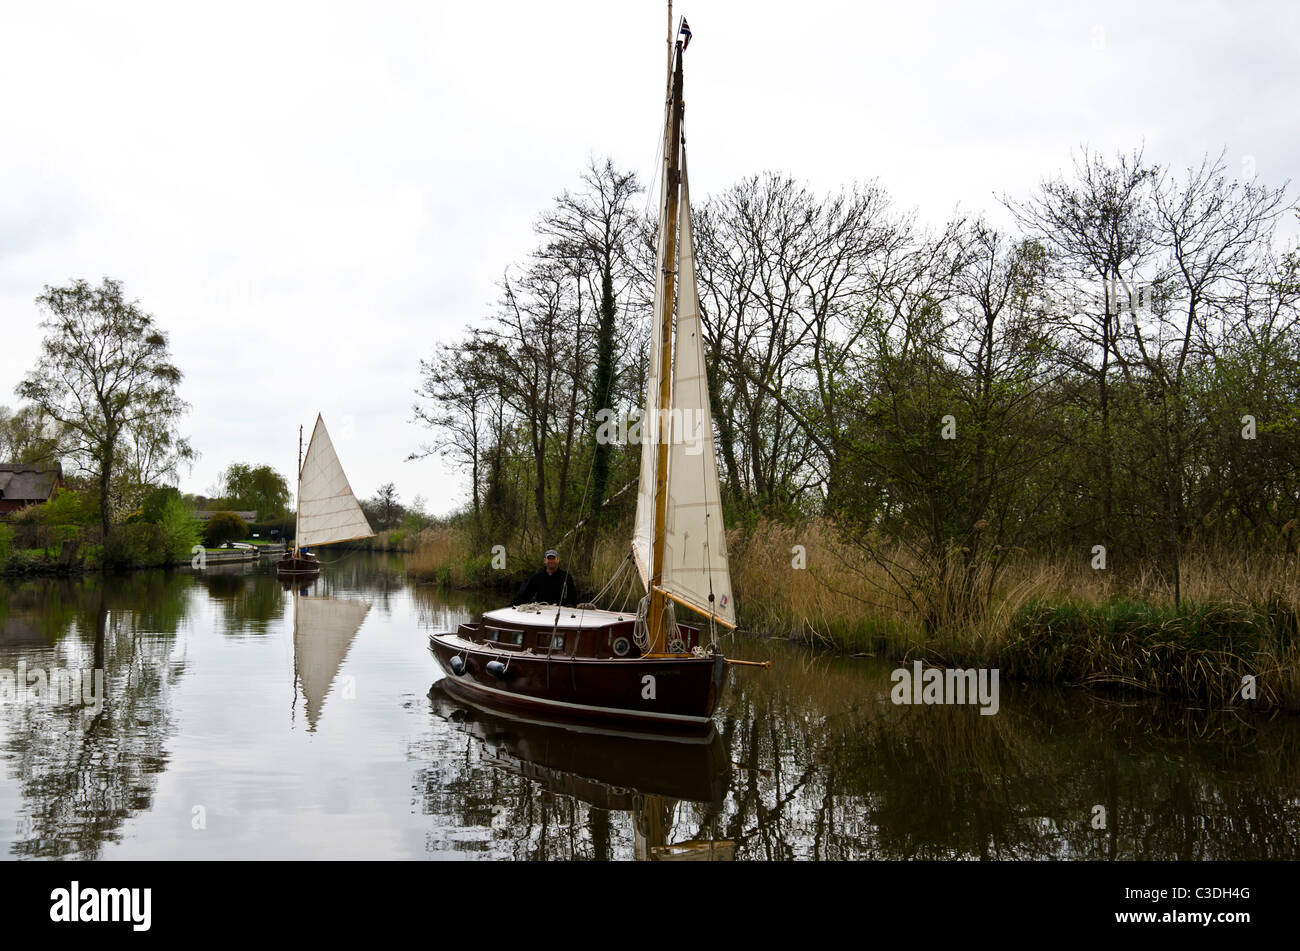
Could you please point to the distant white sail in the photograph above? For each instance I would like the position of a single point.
(323, 631)
(327, 510)
(695, 544)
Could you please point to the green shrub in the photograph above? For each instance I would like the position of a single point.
(28, 515)
(69, 507)
(137, 545)
(177, 526)
(224, 527)
(27, 559)
(156, 502)
(6, 545)
(479, 571)
(64, 537)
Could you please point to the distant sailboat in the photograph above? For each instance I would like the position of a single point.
(323, 632)
(328, 512)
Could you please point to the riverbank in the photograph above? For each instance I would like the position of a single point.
(388, 540)
(1231, 637)
(67, 557)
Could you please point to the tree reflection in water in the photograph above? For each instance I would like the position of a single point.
(81, 774)
(823, 766)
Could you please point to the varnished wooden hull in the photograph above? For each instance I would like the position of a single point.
(657, 694)
(304, 566)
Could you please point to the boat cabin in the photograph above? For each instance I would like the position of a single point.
(536, 629)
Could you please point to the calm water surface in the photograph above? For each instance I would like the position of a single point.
(240, 721)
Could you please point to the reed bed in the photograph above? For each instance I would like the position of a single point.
(1039, 619)
(446, 555)
(1054, 621)
(441, 554)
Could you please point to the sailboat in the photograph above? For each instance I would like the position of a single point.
(328, 512)
(641, 669)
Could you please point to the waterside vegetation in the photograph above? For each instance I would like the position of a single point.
(1067, 448)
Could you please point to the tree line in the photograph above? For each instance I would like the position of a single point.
(1117, 373)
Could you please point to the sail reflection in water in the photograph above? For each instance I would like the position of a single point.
(323, 632)
(643, 775)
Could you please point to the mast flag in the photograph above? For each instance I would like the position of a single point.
(685, 33)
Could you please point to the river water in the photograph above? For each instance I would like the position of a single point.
(240, 720)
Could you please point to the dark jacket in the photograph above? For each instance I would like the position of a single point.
(559, 588)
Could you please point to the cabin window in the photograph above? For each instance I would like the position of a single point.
(557, 642)
(506, 637)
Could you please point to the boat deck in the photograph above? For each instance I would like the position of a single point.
(565, 632)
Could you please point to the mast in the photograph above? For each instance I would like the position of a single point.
(297, 508)
(670, 40)
(655, 615)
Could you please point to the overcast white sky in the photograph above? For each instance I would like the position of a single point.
(309, 196)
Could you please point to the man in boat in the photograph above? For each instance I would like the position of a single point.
(551, 585)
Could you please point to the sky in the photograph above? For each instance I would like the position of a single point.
(310, 197)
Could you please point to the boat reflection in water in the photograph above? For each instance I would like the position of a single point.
(641, 774)
(323, 632)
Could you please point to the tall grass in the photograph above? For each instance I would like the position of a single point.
(441, 554)
(445, 555)
(1035, 619)
(1039, 619)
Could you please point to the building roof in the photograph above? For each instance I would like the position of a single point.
(204, 515)
(28, 483)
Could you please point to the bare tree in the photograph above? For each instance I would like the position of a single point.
(1098, 227)
(461, 397)
(1212, 239)
(595, 230)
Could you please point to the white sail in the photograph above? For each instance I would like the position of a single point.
(323, 631)
(643, 531)
(695, 542)
(695, 549)
(327, 509)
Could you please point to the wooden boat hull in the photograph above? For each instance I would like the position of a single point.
(659, 694)
(301, 567)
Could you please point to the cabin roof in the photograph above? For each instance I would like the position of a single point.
(544, 616)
